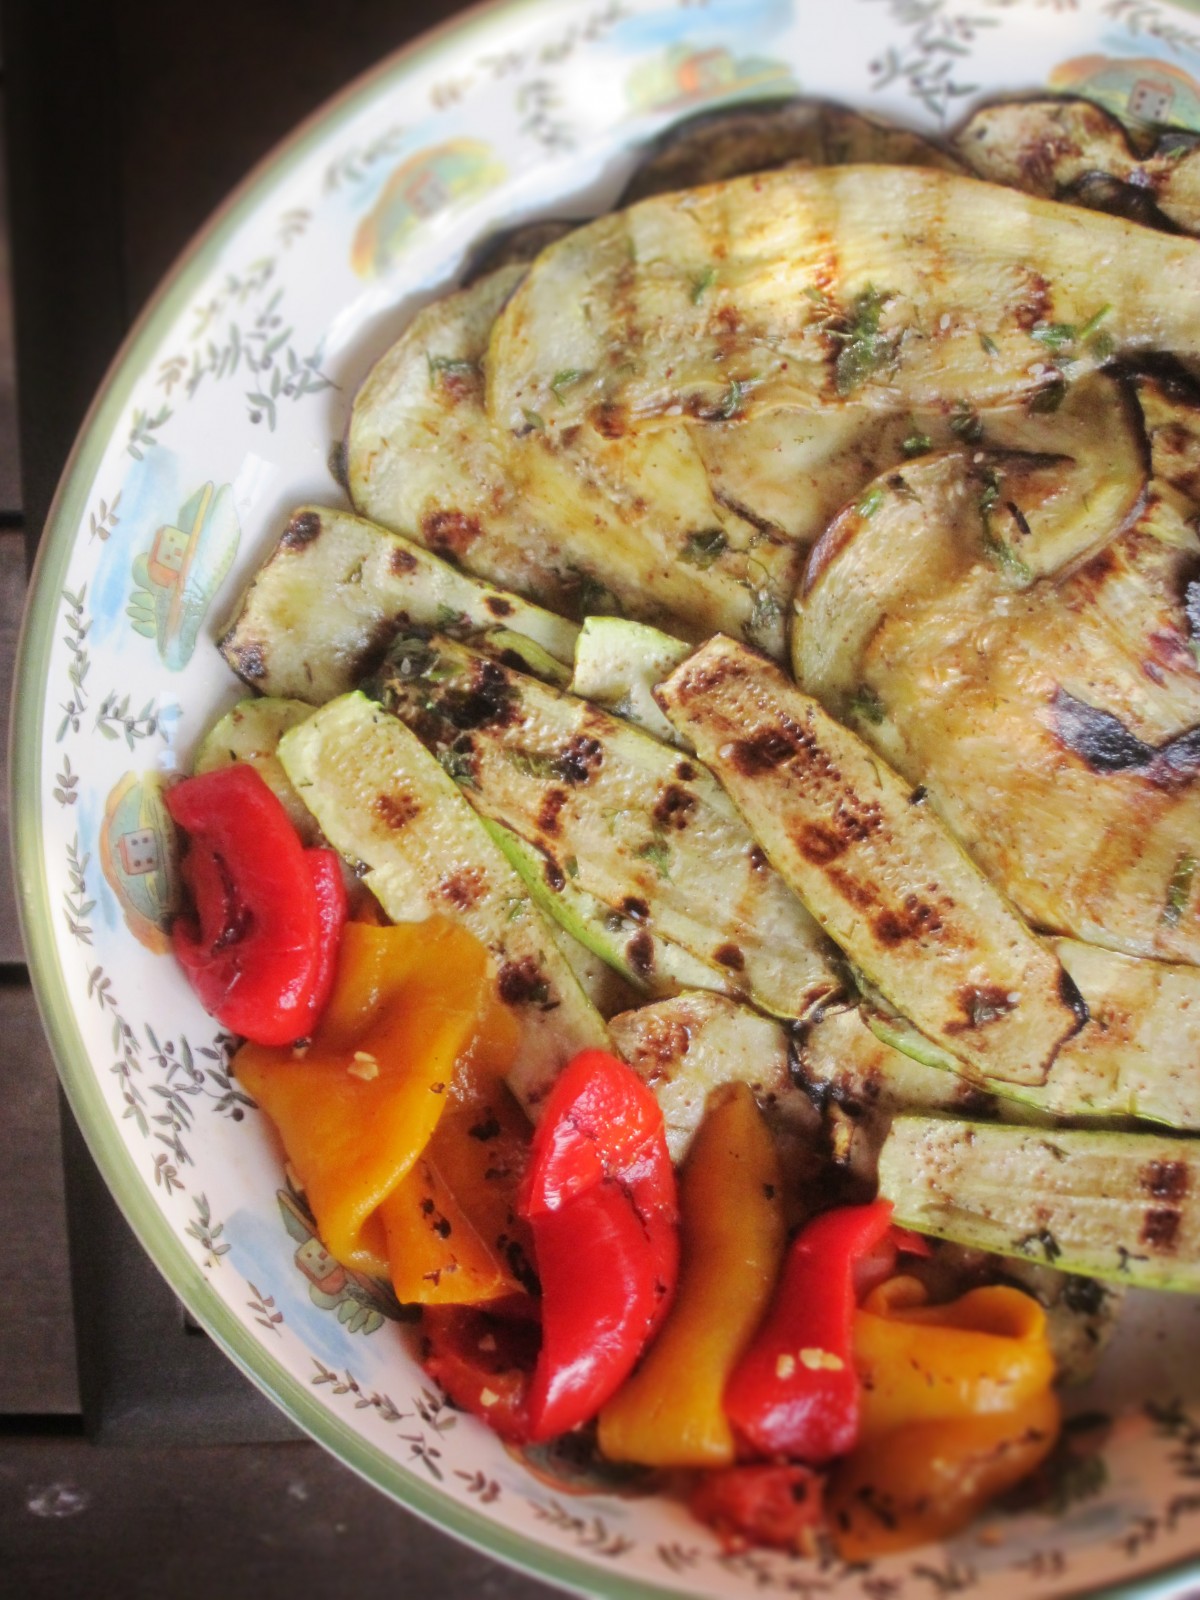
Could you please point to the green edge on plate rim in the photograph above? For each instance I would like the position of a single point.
(83, 1093)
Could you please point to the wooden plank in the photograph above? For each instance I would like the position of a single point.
(274, 1523)
(37, 1335)
(10, 468)
(12, 593)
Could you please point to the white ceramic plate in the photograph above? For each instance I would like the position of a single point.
(219, 416)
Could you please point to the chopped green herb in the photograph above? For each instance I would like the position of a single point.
(535, 764)
(702, 283)
(1054, 335)
(1093, 323)
(870, 502)
(1050, 1246)
(817, 296)
(457, 764)
(1179, 890)
(1006, 558)
(534, 419)
(702, 549)
(564, 380)
(1050, 396)
(990, 347)
(731, 401)
(865, 351)
(1102, 345)
(867, 704)
(449, 367)
(448, 617)
(572, 867)
(658, 852)
(967, 425)
(917, 444)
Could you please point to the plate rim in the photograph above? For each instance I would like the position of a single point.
(35, 916)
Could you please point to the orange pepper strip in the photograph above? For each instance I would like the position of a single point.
(957, 1407)
(358, 1106)
(928, 1480)
(669, 1413)
(453, 1234)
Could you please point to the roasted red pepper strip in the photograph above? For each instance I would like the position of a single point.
(600, 1197)
(259, 950)
(795, 1392)
(483, 1358)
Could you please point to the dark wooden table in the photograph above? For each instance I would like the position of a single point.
(134, 1459)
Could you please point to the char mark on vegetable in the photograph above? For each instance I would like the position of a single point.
(304, 527)
(610, 419)
(1165, 1180)
(490, 701)
(450, 533)
(981, 1004)
(673, 806)
(580, 761)
(640, 954)
(498, 605)
(1160, 1229)
(552, 804)
(914, 919)
(401, 562)
(522, 983)
(1104, 742)
(463, 889)
(729, 955)
(397, 810)
(248, 660)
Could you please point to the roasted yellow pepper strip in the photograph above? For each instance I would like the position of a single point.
(983, 1353)
(357, 1106)
(669, 1414)
(453, 1234)
(957, 1408)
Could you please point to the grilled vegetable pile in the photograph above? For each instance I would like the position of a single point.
(769, 625)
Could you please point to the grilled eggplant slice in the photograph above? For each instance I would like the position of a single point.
(1055, 732)
(795, 469)
(884, 876)
(1074, 150)
(752, 138)
(642, 828)
(382, 801)
(991, 521)
(583, 522)
(334, 592)
(1119, 1206)
(942, 291)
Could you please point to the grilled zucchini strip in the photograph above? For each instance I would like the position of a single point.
(382, 801)
(641, 827)
(1119, 1206)
(649, 965)
(1138, 1055)
(882, 874)
(941, 290)
(617, 664)
(336, 589)
(688, 1046)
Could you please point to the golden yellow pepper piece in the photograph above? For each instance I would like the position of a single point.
(358, 1104)
(669, 1413)
(957, 1407)
(452, 1231)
